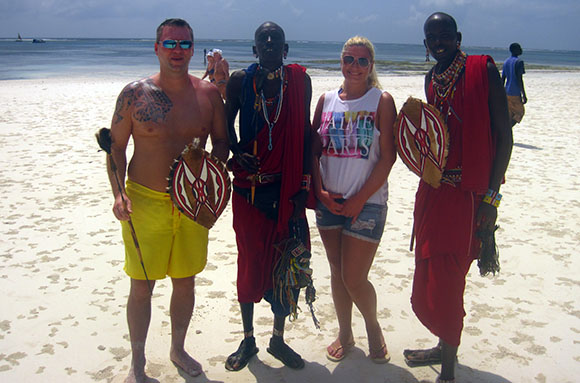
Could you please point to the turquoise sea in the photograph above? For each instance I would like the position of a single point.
(136, 58)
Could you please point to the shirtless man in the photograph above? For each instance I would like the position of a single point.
(163, 113)
(221, 73)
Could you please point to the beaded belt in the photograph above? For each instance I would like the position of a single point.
(451, 177)
(266, 178)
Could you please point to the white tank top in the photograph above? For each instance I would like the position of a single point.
(350, 144)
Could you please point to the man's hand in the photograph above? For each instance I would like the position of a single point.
(248, 162)
(486, 217)
(122, 209)
(299, 201)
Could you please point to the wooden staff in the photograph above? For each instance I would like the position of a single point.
(104, 140)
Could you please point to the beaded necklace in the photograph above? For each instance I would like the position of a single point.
(276, 74)
(265, 102)
(444, 83)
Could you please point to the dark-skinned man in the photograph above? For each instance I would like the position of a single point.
(271, 167)
(470, 96)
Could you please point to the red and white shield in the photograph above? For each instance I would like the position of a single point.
(422, 140)
(199, 185)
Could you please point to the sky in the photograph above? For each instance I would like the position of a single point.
(541, 24)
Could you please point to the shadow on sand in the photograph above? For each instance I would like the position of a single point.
(526, 146)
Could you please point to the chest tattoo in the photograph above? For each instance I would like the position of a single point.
(151, 104)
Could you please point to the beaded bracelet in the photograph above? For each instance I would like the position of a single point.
(305, 185)
(492, 197)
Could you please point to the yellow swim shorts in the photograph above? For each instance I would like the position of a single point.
(170, 242)
(515, 108)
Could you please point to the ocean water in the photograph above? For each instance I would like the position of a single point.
(136, 58)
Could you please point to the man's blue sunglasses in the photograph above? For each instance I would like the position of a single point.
(171, 44)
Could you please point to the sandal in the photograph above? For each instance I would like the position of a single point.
(242, 356)
(381, 355)
(427, 357)
(336, 354)
(285, 354)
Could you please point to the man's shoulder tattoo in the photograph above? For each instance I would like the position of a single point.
(125, 100)
(152, 104)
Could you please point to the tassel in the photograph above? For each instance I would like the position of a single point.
(488, 260)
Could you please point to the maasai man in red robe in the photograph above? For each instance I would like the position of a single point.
(469, 94)
(271, 167)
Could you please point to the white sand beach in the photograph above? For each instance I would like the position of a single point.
(63, 290)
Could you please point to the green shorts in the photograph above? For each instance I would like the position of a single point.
(171, 244)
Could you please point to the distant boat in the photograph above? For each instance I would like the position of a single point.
(19, 39)
(37, 41)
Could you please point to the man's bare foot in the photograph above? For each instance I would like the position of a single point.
(136, 376)
(137, 371)
(182, 360)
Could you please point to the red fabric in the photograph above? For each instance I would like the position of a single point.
(255, 234)
(475, 156)
(445, 248)
(255, 237)
(292, 161)
(445, 217)
(287, 152)
(477, 142)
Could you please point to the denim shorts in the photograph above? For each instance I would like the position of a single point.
(369, 225)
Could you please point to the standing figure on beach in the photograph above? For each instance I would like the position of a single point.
(221, 72)
(163, 113)
(512, 72)
(449, 219)
(355, 124)
(273, 101)
(210, 69)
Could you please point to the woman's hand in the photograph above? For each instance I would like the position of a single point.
(329, 200)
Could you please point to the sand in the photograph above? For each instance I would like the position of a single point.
(64, 292)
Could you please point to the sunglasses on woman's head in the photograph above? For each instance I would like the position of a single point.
(171, 44)
(362, 61)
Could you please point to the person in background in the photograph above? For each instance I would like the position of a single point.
(162, 113)
(210, 69)
(512, 77)
(450, 219)
(221, 73)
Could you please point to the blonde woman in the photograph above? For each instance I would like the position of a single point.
(355, 124)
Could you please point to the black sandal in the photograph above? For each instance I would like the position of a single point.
(427, 357)
(242, 356)
(285, 354)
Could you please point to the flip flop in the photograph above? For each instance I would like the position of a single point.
(339, 353)
(381, 355)
(427, 357)
(242, 356)
(286, 355)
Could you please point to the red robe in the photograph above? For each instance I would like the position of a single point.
(445, 217)
(256, 234)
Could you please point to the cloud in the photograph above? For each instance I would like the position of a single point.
(357, 19)
(293, 9)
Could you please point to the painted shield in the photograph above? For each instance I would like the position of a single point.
(199, 185)
(422, 140)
